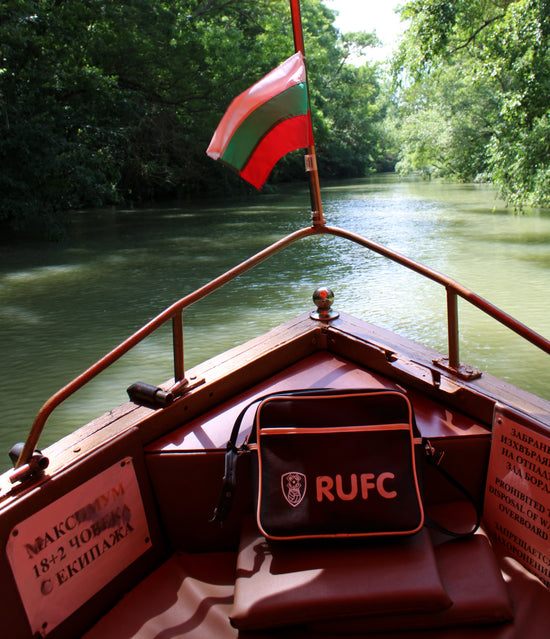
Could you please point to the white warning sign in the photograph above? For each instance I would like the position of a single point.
(65, 553)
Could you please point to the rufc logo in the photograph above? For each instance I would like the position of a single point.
(293, 485)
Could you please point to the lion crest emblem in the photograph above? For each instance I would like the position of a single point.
(293, 485)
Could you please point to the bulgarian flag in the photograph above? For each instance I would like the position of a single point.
(267, 121)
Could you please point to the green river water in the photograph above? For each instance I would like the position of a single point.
(64, 305)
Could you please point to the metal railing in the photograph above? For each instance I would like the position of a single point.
(174, 313)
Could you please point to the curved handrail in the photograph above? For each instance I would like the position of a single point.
(452, 287)
(174, 311)
(169, 313)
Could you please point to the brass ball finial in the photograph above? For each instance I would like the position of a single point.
(323, 298)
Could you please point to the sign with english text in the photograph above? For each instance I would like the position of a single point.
(65, 553)
(517, 493)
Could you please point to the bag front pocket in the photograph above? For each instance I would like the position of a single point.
(339, 481)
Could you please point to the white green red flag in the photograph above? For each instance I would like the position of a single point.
(265, 122)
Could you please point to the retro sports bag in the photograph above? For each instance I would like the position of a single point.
(331, 463)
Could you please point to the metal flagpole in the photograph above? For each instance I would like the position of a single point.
(311, 158)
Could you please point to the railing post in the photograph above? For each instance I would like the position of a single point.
(177, 345)
(452, 328)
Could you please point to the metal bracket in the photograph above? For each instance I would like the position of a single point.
(464, 371)
(36, 465)
(185, 385)
(310, 162)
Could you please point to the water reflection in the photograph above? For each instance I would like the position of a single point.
(64, 306)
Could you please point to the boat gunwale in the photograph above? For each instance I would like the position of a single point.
(231, 373)
(174, 313)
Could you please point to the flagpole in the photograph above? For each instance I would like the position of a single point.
(311, 158)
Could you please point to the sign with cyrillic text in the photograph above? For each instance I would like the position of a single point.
(65, 553)
(517, 494)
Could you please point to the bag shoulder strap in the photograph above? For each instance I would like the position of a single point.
(434, 459)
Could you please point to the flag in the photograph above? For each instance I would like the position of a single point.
(267, 121)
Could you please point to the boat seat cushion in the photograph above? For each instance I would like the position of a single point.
(473, 580)
(282, 584)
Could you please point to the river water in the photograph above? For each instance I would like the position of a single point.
(64, 305)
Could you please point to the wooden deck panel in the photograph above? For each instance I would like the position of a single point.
(211, 430)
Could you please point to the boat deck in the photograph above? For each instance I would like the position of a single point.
(191, 596)
(186, 581)
(320, 370)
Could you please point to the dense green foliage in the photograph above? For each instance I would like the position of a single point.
(474, 80)
(104, 102)
(111, 102)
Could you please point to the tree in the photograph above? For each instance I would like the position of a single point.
(482, 68)
(55, 151)
(445, 123)
(104, 102)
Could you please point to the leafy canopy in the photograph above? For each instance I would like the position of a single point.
(474, 80)
(104, 102)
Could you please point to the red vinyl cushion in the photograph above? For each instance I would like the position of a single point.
(473, 580)
(282, 584)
